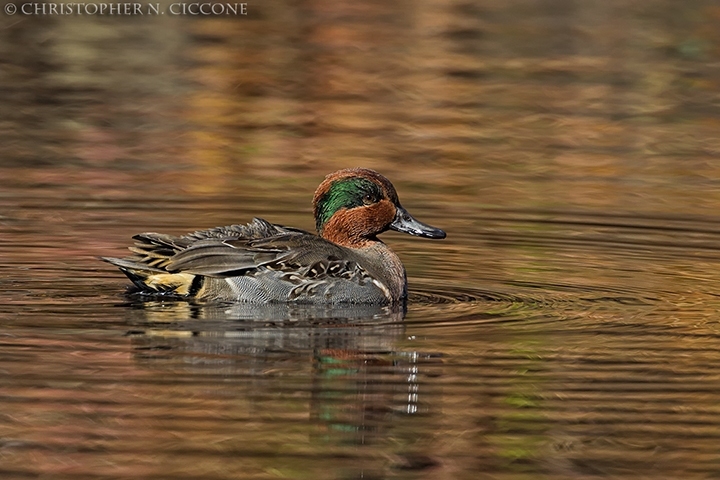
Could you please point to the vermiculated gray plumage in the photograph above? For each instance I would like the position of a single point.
(263, 263)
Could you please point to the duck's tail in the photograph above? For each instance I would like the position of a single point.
(153, 280)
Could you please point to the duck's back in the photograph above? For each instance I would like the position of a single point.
(259, 263)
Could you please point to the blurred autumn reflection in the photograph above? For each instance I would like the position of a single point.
(566, 328)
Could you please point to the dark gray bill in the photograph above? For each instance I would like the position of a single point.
(404, 222)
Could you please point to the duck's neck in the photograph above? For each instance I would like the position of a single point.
(385, 266)
(349, 241)
(380, 262)
(347, 232)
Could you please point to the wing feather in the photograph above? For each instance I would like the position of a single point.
(272, 255)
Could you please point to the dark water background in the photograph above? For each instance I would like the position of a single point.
(568, 327)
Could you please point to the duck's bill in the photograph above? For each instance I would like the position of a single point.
(404, 222)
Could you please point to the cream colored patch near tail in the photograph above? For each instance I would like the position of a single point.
(177, 282)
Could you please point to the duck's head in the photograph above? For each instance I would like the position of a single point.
(354, 205)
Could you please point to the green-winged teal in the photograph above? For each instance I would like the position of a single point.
(261, 262)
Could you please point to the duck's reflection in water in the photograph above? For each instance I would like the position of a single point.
(353, 364)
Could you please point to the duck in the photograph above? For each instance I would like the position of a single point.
(261, 262)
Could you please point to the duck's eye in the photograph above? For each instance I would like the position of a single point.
(368, 199)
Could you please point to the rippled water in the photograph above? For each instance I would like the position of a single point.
(566, 328)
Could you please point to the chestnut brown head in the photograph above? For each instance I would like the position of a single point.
(354, 205)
